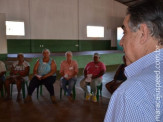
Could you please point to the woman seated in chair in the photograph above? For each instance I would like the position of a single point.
(44, 73)
(68, 71)
(18, 74)
(119, 77)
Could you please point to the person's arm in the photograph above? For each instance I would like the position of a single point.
(12, 70)
(53, 70)
(99, 75)
(76, 69)
(61, 70)
(85, 73)
(35, 69)
(25, 72)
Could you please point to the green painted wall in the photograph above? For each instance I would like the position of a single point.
(89, 45)
(36, 45)
(3, 57)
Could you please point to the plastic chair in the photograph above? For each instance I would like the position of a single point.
(99, 91)
(25, 83)
(73, 92)
(2, 92)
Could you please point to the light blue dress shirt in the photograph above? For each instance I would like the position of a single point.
(139, 98)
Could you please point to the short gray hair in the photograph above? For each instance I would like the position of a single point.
(46, 50)
(68, 52)
(150, 13)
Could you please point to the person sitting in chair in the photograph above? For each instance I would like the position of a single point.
(93, 73)
(44, 73)
(18, 74)
(2, 74)
(68, 71)
(119, 77)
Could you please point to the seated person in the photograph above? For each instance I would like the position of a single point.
(44, 73)
(18, 74)
(2, 74)
(119, 77)
(68, 71)
(93, 73)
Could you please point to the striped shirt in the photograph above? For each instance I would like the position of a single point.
(140, 97)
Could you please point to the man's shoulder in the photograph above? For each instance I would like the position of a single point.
(133, 91)
(74, 61)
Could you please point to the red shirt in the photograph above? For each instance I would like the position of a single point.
(95, 69)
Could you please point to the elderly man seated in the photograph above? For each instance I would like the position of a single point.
(18, 74)
(93, 73)
(68, 71)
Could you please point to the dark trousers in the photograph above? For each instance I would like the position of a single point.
(48, 82)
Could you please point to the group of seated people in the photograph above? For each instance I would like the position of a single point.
(44, 73)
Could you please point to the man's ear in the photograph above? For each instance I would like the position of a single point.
(144, 31)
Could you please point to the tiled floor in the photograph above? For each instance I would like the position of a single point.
(43, 110)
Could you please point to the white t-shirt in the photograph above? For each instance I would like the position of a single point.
(2, 67)
(21, 68)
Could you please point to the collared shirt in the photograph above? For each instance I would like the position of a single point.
(2, 67)
(69, 69)
(95, 68)
(139, 98)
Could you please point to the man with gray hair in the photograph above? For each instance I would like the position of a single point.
(139, 98)
(68, 71)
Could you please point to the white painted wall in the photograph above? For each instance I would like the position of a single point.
(3, 42)
(64, 19)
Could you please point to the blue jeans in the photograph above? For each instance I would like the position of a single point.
(71, 82)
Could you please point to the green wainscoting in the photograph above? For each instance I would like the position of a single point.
(36, 45)
(89, 45)
(3, 57)
(19, 45)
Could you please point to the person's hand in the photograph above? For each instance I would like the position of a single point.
(66, 77)
(43, 77)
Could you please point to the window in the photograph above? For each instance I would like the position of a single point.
(15, 28)
(119, 33)
(95, 31)
(119, 37)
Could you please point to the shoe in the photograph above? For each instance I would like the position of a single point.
(70, 98)
(28, 99)
(87, 97)
(94, 99)
(53, 99)
(18, 98)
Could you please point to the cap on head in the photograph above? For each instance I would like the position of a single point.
(20, 54)
(96, 54)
